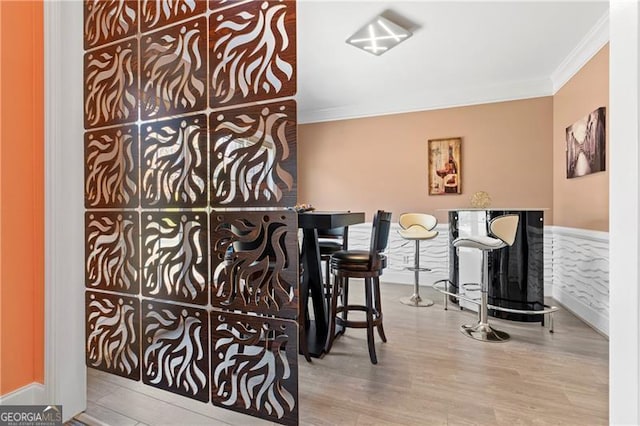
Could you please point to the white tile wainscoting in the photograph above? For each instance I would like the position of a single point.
(581, 274)
(576, 266)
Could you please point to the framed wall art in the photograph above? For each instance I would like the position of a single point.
(444, 165)
(586, 145)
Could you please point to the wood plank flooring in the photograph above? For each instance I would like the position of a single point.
(428, 373)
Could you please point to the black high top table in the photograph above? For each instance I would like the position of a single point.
(316, 329)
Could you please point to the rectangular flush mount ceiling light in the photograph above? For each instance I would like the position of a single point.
(378, 36)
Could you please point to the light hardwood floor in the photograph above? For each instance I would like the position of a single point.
(428, 373)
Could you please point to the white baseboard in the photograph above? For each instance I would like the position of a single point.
(597, 320)
(31, 394)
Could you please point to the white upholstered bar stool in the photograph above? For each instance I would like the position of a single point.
(417, 227)
(502, 233)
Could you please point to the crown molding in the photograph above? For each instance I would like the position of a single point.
(590, 44)
(431, 100)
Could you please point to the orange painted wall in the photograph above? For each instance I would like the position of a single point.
(21, 194)
(581, 202)
(380, 162)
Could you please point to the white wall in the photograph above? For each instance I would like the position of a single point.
(624, 229)
(65, 372)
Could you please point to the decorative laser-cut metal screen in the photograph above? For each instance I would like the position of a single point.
(191, 257)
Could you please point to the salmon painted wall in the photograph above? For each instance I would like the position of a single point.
(581, 202)
(380, 162)
(21, 195)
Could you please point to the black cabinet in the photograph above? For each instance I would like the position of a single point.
(516, 273)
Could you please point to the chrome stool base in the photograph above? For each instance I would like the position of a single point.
(484, 333)
(416, 301)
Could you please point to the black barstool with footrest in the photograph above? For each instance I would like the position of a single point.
(361, 264)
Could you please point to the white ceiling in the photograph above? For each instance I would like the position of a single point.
(460, 53)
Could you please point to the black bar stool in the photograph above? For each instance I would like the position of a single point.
(361, 264)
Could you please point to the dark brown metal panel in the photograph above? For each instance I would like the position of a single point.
(111, 251)
(254, 262)
(109, 20)
(173, 72)
(111, 84)
(174, 162)
(254, 365)
(157, 160)
(252, 51)
(175, 349)
(254, 156)
(174, 256)
(155, 14)
(113, 329)
(111, 168)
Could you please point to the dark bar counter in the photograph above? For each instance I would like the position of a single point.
(516, 273)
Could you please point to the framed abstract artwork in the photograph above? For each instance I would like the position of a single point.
(444, 165)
